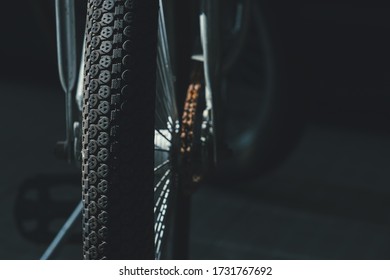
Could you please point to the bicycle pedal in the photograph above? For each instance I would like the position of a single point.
(43, 204)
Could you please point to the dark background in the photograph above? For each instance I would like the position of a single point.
(327, 200)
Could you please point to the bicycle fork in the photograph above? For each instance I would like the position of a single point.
(68, 149)
(66, 55)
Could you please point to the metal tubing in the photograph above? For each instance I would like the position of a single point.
(209, 20)
(63, 233)
(66, 43)
(66, 55)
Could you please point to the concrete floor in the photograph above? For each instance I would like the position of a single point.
(329, 200)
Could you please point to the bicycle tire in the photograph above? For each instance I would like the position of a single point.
(263, 123)
(118, 129)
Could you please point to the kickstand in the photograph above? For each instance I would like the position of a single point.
(63, 234)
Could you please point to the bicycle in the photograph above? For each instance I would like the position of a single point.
(140, 160)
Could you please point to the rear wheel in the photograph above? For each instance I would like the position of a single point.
(129, 132)
(260, 108)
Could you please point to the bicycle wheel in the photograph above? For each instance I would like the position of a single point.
(260, 109)
(129, 132)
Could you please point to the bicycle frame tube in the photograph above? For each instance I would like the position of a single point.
(66, 53)
(210, 37)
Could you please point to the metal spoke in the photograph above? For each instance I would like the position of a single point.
(166, 100)
(168, 121)
(162, 179)
(159, 132)
(162, 199)
(161, 150)
(166, 117)
(162, 105)
(158, 167)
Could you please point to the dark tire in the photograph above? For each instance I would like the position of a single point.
(118, 129)
(263, 102)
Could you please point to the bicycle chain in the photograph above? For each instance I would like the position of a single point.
(188, 120)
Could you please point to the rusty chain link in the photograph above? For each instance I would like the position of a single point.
(188, 119)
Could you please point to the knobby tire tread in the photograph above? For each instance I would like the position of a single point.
(118, 129)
